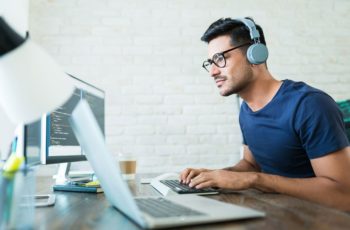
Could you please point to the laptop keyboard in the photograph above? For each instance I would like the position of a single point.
(160, 207)
(176, 186)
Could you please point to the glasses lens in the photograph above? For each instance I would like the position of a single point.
(206, 65)
(219, 60)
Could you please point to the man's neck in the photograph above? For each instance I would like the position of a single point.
(261, 91)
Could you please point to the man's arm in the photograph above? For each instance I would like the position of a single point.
(331, 186)
(247, 164)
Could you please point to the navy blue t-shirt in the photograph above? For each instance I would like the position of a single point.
(299, 124)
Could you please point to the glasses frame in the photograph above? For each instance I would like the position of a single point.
(210, 61)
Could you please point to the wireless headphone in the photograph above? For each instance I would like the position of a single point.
(257, 53)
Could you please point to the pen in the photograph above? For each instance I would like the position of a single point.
(14, 146)
(14, 162)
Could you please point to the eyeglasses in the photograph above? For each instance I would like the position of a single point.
(219, 58)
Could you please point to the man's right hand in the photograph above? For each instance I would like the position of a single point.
(187, 174)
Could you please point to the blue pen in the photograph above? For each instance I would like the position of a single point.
(14, 146)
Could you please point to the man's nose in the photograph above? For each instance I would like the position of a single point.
(214, 70)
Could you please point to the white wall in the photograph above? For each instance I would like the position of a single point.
(15, 13)
(147, 55)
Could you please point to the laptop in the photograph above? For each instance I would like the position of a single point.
(147, 212)
(169, 184)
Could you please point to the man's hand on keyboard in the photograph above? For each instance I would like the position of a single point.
(189, 173)
(221, 179)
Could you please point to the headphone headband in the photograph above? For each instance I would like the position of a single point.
(254, 33)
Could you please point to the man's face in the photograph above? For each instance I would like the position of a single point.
(237, 74)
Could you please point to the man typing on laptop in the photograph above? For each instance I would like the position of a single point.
(293, 134)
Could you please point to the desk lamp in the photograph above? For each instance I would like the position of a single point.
(31, 83)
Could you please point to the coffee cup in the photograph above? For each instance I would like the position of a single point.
(127, 164)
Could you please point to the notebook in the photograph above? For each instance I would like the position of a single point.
(76, 188)
(187, 209)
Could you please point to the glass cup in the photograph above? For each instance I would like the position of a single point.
(17, 199)
(127, 164)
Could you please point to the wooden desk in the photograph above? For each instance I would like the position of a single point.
(92, 211)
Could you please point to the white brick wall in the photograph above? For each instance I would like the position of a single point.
(147, 56)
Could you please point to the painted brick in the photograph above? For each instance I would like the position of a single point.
(147, 56)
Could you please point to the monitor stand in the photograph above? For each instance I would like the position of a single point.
(64, 175)
(50, 200)
(44, 200)
(69, 182)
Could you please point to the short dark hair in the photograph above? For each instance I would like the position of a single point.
(236, 29)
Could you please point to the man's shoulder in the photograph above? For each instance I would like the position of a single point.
(299, 87)
(304, 93)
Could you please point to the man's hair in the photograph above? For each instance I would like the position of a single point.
(237, 30)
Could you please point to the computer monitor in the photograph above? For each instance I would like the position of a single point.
(30, 136)
(32, 143)
(58, 142)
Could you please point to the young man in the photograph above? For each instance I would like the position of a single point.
(293, 135)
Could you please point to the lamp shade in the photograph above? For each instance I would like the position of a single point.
(31, 83)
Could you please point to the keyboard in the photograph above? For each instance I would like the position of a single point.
(160, 207)
(176, 186)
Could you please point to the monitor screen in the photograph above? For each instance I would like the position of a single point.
(58, 142)
(32, 138)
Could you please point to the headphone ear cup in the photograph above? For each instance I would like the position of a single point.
(257, 53)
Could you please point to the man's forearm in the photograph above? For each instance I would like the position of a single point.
(242, 166)
(318, 189)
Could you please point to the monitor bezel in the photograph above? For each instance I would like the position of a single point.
(37, 160)
(45, 158)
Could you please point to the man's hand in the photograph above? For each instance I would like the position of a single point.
(187, 174)
(223, 179)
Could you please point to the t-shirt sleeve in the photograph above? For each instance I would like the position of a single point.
(319, 124)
